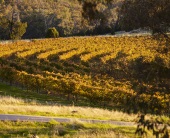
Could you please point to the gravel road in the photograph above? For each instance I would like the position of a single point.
(8, 117)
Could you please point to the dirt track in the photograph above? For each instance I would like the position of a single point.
(8, 117)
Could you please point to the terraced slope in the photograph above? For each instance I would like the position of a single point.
(132, 73)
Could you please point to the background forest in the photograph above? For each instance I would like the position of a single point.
(70, 17)
(32, 18)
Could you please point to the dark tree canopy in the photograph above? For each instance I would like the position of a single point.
(150, 14)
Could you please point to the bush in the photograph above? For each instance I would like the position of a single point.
(52, 33)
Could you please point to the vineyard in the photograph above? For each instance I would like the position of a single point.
(129, 73)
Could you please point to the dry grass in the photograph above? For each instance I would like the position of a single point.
(6, 100)
(66, 111)
(11, 105)
(106, 134)
(75, 128)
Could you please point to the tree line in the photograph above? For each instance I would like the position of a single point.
(32, 18)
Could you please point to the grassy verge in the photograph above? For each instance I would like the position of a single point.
(54, 129)
(16, 101)
(16, 107)
(75, 129)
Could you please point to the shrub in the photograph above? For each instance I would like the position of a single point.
(52, 33)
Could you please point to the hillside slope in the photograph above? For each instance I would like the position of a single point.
(130, 73)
